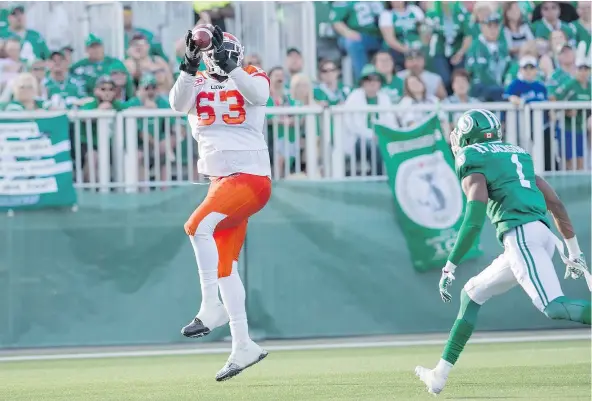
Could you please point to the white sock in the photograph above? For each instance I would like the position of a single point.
(206, 255)
(443, 367)
(233, 296)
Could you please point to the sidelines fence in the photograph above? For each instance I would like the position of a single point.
(139, 148)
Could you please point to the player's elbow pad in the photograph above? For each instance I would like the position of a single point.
(469, 230)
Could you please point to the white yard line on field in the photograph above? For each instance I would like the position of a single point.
(287, 345)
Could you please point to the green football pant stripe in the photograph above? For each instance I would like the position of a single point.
(521, 241)
(536, 272)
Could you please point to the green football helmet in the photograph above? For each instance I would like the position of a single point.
(475, 126)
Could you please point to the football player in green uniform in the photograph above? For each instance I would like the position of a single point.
(499, 181)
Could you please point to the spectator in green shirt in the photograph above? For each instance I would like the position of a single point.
(124, 86)
(140, 61)
(39, 70)
(359, 141)
(67, 52)
(576, 89)
(24, 91)
(95, 65)
(550, 21)
(583, 26)
(103, 99)
(557, 40)
(62, 90)
(516, 29)
(33, 44)
(280, 148)
(153, 143)
(3, 19)
(393, 85)
(356, 22)
(461, 85)
(129, 31)
(449, 37)
(564, 71)
(329, 91)
(487, 61)
(400, 25)
(481, 12)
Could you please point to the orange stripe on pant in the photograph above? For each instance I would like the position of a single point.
(238, 197)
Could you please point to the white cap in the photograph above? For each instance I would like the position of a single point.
(528, 60)
(583, 61)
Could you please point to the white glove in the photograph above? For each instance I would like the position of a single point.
(575, 266)
(445, 281)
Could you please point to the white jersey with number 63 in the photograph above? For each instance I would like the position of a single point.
(226, 119)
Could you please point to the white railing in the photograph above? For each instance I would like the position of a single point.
(139, 148)
(567, 128)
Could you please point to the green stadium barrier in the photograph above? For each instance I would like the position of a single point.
(322, 259)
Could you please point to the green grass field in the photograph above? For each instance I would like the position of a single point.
(518, 371)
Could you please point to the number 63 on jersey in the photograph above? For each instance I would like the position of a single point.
(229, 108)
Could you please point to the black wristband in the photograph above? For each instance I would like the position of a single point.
(189, 67)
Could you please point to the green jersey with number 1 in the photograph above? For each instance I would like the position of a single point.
(514, 198)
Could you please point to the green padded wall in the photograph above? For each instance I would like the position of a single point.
(322, 259)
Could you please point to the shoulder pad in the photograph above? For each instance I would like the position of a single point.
(256, 72)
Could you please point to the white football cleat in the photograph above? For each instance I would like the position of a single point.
(207, 319)
(434, 382)
(242, 357)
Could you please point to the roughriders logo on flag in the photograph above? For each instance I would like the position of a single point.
(35, 164)
(428, 196)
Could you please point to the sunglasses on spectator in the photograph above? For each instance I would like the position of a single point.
(329, 70)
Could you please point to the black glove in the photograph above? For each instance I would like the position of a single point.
(225, 63)
(190, 63)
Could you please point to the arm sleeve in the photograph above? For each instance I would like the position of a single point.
(469, 230)
(182, 96)
(253, 86)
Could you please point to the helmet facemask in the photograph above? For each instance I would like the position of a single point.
(455, 142)
(235, 52)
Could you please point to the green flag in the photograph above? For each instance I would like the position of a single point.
(36, 166)
(428, 197)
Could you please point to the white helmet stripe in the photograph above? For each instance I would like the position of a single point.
(489, 119)
(494, 118)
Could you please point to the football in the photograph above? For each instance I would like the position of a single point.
(202, 36)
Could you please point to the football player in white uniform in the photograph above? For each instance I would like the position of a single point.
(226, 111)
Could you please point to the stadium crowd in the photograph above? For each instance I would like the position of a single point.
(401, 52)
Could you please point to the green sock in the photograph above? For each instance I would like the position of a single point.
(462, 328)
